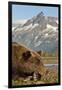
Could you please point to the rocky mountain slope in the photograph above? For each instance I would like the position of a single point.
(38, 33)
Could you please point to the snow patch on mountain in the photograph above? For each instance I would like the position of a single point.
(38, 33)
(22, 21)
(38, 43)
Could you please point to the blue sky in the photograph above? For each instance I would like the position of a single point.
(26, 12)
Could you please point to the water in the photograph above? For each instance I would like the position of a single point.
(52, 66)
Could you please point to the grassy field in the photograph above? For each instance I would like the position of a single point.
(50, 60)
(50, 77)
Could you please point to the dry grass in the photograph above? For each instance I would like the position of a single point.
(50, 77)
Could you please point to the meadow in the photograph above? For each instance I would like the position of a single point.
(50, 77)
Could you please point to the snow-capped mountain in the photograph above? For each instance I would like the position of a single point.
(38, 33)
(18, 23)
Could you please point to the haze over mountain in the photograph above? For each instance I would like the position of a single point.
(38, 33)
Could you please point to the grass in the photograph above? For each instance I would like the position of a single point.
(50, 60)
(26, 82)
(51, 77)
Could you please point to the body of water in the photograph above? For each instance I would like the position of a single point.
(52, 66)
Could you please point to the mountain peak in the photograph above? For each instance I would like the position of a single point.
(39, 18)
(41, 14)
(38, 33)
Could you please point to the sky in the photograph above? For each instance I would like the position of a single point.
(26, 12)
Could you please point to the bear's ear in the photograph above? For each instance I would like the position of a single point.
(28, 52)
(26, 55)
